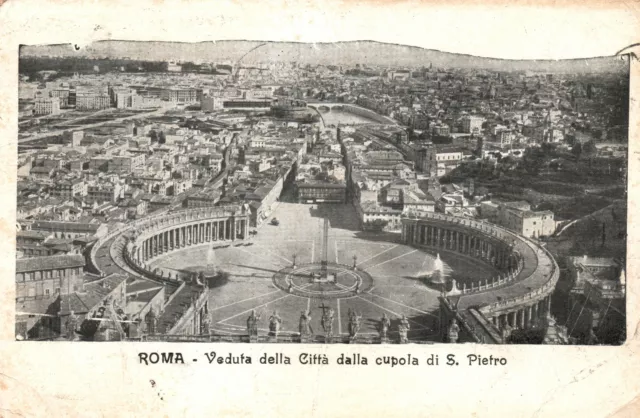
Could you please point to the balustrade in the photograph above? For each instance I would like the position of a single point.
(495, 245)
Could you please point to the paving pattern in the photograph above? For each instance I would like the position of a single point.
(395, 270)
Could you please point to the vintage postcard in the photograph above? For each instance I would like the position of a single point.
(228, 206)
(212, 192)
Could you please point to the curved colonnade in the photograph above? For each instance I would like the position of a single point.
(130, 249)
(513, 299)
(134, 246)
(182, 230)
(517, 298)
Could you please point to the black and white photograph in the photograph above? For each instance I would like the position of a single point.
(362, 192)
(335, 209)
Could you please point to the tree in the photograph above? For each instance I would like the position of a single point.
(548, 148)
(446, 179)
(589, 148)
(533, 160)
(577, 150)
(376, 224)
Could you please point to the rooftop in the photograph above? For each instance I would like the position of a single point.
(49, 263)
(66, 226)
(92, 294)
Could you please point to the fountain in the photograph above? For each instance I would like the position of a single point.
(436, 274)
(438, 265)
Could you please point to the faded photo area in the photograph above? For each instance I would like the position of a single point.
(353, 192)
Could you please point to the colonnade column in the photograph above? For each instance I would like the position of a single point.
(534, 310)
(549, 305)
(163, 238)
(233, 229)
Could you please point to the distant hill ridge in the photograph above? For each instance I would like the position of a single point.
(339, 53)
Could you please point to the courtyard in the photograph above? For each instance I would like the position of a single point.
(396, 270)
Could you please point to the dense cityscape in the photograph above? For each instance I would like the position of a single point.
(243, 200)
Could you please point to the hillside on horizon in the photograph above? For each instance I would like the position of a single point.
(339, 53)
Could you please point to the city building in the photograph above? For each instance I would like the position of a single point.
(519, 217)
(44, 277)
(82, 306)
(68, 189)
(211, 103)
(73, 138)
(181, 95)
(70, 229)
(46, 106)
(103, 192)
(321, 192)
(126, 163)
(91, 101)
(472, 124)
(437, 160)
